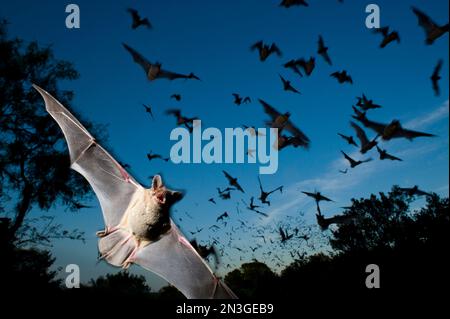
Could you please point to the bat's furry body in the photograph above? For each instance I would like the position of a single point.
(138, 227)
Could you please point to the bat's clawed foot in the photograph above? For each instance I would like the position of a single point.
(106, 231)
(126, 264)
(102, 233)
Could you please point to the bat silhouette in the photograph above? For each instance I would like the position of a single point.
(222, 216)
(196, 232)
(432, 30)
(385, 155)
(151, 156)
(252, 130)
(233, 181)
(388, 37)
(285, 236)
(349, 139)
(137, 20)
(342, 77)
(205, 251)
(238, 100)
(318, 197)
(253, 207)
(365, 104)
(414, 191)
(212, 200)
(282, 122)
(366, 145)
(294, 66)
(435, 77)
(138, 227)
(307, 66)
(182, 120)
(323, 51)
(265, 50)
(225, 194)
(148, 109)
(287, 85)
(324, 223)
(264, 195)
(343, 171)
(154, 71)
(354, 163)
(177, 97)
(391, 130)
(78, 206)
(290, 3)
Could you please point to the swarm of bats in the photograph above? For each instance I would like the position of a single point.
(138, 226)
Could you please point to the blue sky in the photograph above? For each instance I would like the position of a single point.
(212, 39)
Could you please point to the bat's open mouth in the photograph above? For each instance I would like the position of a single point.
(161, 197)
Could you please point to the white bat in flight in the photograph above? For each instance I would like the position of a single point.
(138, 227)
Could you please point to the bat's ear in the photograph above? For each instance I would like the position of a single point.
(175, 196)
(157, 182)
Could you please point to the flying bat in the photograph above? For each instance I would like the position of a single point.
(152, 156)
(282, 122)
(294, 66)
(365, 104)
(366, 145)
(287, 86)
(354, 163)
(148, 109)
(137, 20)
(324, 223)
(391, 130)
(323, 51)
(388, 37)
(154, 71)
(238, 100)
(385, 155)
(432, 30)
(182, 120)
(284, 235)
(222, 216)
(252, 130)
(265, 50)
(290, 3)
(225, 194)
(264, 195)
(233, 181)
(349, 139)
(254, 207)
(307, 65)
(138, 228)
(318, 197)
(435, 77)
(342, 77)
(175, 96)
(414, 191)
(205, 251)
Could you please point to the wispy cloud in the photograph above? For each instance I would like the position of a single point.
(426, 120)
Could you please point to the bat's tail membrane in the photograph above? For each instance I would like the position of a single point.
(116, 247)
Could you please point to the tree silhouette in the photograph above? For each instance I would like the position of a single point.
(34, 162)
(253, 280)
(121, 283)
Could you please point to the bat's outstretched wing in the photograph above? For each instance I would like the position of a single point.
(138, 58)
(410, 134)
(173, 258)
(111, 183)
